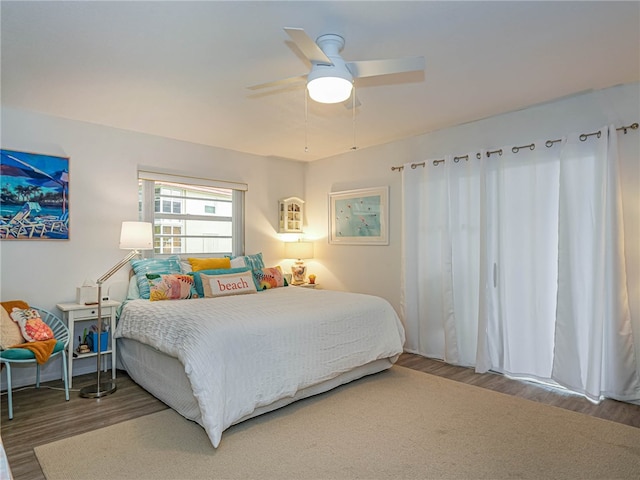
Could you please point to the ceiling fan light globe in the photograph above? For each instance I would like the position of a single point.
(329, 89)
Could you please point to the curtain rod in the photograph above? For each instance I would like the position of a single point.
(549, 143)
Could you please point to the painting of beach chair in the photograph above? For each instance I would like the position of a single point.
(20, 225)
(55, 225)
(34, 198)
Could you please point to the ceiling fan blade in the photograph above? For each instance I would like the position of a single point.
(307, 46)
(279, 83)
(372, 68)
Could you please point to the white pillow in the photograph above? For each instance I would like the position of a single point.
(238, 262)
(133, 293)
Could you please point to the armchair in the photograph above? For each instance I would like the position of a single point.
(21, 355)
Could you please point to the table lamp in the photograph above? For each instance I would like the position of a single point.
(134, 236)
(298, 250)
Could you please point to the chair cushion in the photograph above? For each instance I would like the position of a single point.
(24, 354)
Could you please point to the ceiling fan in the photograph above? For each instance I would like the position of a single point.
(331, 77)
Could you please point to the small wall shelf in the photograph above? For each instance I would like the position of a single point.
(290, 215)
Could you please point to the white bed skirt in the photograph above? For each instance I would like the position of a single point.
(165, 378)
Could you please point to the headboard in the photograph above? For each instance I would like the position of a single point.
(118, 290)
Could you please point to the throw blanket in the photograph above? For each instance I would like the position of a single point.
(42, 349)
(246, 351)
(8, 306)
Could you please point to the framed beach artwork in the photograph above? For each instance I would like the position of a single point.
(359, 217)
(34, 196)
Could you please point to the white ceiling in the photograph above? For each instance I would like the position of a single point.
(180, 69)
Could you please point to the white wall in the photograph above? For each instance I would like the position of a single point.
(377, 269)
(104, 192)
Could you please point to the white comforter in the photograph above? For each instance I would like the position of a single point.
(246, 351)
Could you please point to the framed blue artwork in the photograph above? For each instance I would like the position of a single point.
(359, 217)
(34, 196)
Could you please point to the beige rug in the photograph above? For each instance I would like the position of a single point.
(399, 424)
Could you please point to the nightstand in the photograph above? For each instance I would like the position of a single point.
(305, 285)
(75, 312)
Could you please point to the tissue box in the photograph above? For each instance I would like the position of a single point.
(92, 341)
(86, 295)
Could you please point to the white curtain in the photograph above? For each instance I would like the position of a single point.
(441, 258)
(594, 342)
(514, 262)
(521, 205)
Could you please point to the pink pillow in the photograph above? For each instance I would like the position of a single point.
(31, 325)
(269, 278)
(172, 286)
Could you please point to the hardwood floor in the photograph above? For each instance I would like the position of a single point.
(612, 410)
(42, 416)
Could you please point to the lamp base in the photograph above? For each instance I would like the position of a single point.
(97, 391)
(298, 272)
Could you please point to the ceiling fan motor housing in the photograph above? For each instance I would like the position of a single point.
(330, 83)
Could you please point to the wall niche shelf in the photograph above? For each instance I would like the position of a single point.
(290, 215)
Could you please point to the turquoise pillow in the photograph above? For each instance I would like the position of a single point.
(160, 266)
(218, 271)
(255, 263)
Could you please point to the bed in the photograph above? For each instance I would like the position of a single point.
(219, 361)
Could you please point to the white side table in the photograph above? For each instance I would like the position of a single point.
(305, 285)
(75, 312)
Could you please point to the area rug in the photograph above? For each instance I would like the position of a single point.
(399, 424)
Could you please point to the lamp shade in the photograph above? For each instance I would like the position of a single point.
(298, 250)
(136, 236)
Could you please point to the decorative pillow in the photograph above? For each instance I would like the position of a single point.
(269, 278)
(133, 292)
(197, 276)
(31, 325)
(10, 333)
(198, 264)
(238, 262)
(254, 262)
(160, 266)
(171, 287)
(228, 284)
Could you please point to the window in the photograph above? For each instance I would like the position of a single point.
(192, 216)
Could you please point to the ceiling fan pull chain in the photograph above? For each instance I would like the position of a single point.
(306, 116)
(353, 110)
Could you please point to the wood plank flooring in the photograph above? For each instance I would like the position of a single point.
(42, 416)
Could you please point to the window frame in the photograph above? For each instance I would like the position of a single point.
(147, 179)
